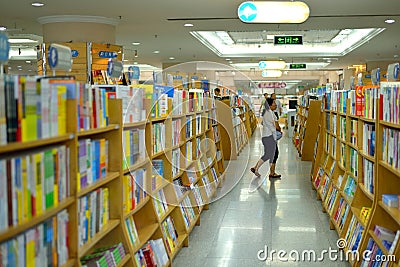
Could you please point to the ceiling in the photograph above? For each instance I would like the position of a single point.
(158, 25)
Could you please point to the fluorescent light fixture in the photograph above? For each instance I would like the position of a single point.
(156, 52)
(28, 61)
(143, 67)
(271, 73)
(136, 43)
(171, 58)
(225, 37)
(390, 21)
(227, 59)
(2, 28)
(37, 4)
(354, 39)
(273, 12)
(21, 41)
(188, 25)
(272, 65)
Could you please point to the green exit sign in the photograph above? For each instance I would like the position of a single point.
(288, 40)
(296, 66)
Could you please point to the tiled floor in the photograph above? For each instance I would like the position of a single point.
(280, 215)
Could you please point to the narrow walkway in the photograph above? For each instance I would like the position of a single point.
(280, 215)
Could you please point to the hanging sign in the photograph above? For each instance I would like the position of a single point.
(271, 85)
(393, 72)
(376, 76)
(108, 54)
(114, 68)
(4, 48)
(288, 40)
(133, 73)
(59, 57)
(74, 53)
(359, 100)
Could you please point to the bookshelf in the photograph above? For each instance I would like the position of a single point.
(115, 179)
(306, 129)
(366, 171)
(234, 125)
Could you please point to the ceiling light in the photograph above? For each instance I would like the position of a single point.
(136, 43)
(135, 63)
(156, 52)
(230, 62)
(273, 12)
(188, 25)
(227, 59)
(396, 56)
(171, 58)
(2, 28)
(271, 73)
(272, 65)
(28, 61)
(225, 37)
(21, 41)
(37, 4)
(390, 21)
(126, 60)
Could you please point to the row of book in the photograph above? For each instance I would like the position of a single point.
(390, 96)
(33, 108)
(391, 200)
(152, 254)
(390, 147)
(354, 162)
(93, 214)
(157, 176)
(369, 136)
(134, 192)
(342, 128)
(176, 132)
(353, 132)
(46, 244)
(368, 176)
(158, 137)
(354, 234)
(32, 184)
(160, 203)
(134, 146)
(170, 234)
(330, 200)
(350, 188)
(341, 213)
(189, 127)
(375, 257)
(176, 162)
(343, 155)
(92, 161)
(132, 231)
(105, 256)
(187, 211)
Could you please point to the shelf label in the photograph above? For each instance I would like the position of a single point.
(4, 48)
(114, 68)
(60, 57)
(108, 54)
(288, 40)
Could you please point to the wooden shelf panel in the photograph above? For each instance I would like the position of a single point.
(390, 168)
(90, 132)
(22, 146)
(14, 231)
(389, 124)
(136, 166)
(159, 119)
(137, 208)
(181, 238)
(111, 225)
(367, 120)
(124, 260)
(69, 263)
(367, 156)
(134, 124)
(393, 212)
(145, 234)
(356, 213)
(109, 177)
(166, 214)
(365, 191)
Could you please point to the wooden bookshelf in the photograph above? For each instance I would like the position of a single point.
(375, 176)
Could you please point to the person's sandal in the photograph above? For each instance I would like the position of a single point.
(256, 173)
(275, 175)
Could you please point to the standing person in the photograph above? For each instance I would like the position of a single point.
(263, 104)
(278, 111)
(272, 173)
(268, 135)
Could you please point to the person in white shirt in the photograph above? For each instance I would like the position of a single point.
(268, 135)
(278, 110)
(263, 104)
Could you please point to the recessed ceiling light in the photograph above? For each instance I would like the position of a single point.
(172, 58)
(19, 66)
(156, 52)
(230, 62)
(135, 63)
(28, 61)
(188, 25)
(136, 43)
(29, 70)
(396, 56)
(227, 59)
(2, 28)
(390, 21)
(37, 4)
(126, 60)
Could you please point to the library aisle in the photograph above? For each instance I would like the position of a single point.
(282, 215)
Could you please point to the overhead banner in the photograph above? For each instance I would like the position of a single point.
(4, 48)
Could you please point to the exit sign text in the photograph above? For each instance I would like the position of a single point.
(297, 66)
(288, 40)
